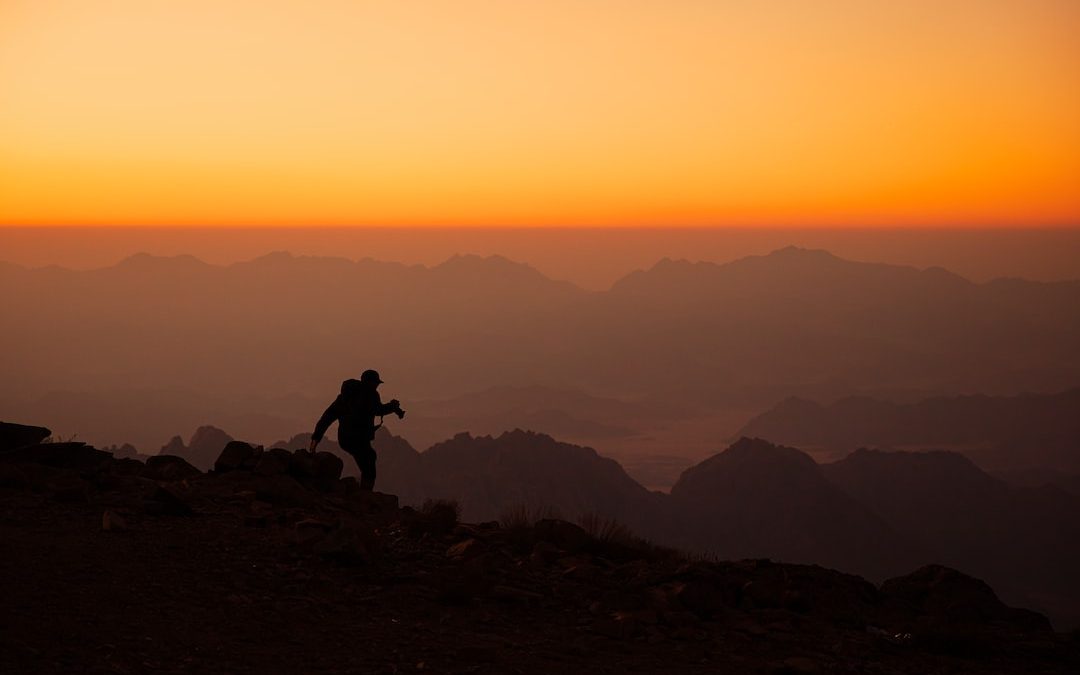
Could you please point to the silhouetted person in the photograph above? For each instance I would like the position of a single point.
(355, 410)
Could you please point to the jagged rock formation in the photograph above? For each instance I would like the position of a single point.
(202, 449)
(267, 565)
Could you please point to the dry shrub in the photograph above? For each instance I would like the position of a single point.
(522, 517)
(437, 516)
(618, 541)
(608, 530)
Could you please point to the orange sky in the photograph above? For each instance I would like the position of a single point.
(561, 112)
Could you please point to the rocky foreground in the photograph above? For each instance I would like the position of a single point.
(273, 563)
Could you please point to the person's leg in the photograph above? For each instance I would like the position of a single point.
(365, 459)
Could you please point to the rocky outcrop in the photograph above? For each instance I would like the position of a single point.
(274, 534)
(14, 436)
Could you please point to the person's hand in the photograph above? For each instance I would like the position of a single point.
(311, 448)
(395, 404)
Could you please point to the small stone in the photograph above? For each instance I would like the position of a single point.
(464, 549)
(801, 665)
(111, 521)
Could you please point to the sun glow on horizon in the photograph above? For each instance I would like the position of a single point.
(280, 112)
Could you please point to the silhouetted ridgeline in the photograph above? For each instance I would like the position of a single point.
(1030, 431)
(703, 337)
(872, 513)
(272, 562)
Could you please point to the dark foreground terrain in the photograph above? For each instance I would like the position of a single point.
(272, 563)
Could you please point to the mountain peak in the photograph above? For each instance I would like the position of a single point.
(797, 252)
(144, 260)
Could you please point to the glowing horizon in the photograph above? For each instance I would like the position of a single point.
(479, 113)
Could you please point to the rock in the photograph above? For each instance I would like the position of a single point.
(164, 502)
(127, 466)
(348, 486)
(515, 595)
(436, 516)
(350, 543)
(280, 490)
(111, 521)
(583, 571)
(800, 665)
(680, 619)
(233, 456)
(707, 597)
(301, 464)
(567, 536)
(465, 549)
(326, 470)
(619, 625)
(14, 436)
(12, 476)
(273, 462)
(545, 552)
(763, 593)
(69, 487)
(310, 530)
(464, 581)
(77, 456)
(169, 468)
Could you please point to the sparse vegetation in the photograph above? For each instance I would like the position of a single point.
(607, 530)
(522, 516)
(435, 516)
(60, 439)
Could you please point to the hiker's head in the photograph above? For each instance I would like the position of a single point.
(371, 378)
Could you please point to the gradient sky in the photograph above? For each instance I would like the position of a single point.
(562, 112)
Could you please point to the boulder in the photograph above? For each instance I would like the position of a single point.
(351, 543)
(301, 465)
(467, 548)
(273, 462)
(165, 502)
(111, 521)
(76, 456)
(326, 470)
(348, 486)
(68, 486)
(707, 597)
(234, 456)
(280, 490)
(168, 468)
(14, 436)
(310, 530)
(12, 476)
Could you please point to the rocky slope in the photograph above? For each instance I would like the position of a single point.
(272, 563)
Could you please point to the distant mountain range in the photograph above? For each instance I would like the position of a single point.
(264, 344)
(1006, 433)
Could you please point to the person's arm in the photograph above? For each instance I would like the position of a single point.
(333, 412)
(386, 408)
